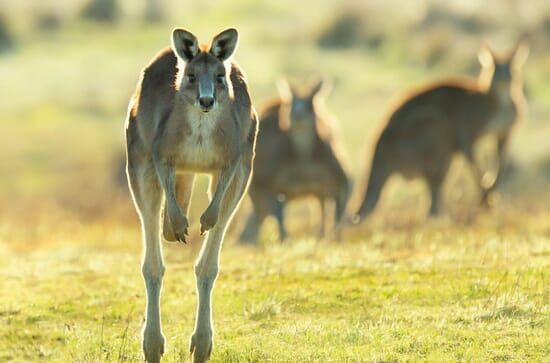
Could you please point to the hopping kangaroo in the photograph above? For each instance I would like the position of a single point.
(431, 125)
(191, 113)
(297, 155)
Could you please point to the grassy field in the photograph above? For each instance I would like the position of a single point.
(472, 285)
(438, 292)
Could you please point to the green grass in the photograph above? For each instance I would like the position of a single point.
(437, 292)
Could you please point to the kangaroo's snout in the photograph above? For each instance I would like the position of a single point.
(206, 103)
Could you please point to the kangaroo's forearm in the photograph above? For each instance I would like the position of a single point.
(224, 180)
(166, 174)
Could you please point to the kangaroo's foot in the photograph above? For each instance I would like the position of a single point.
(153, 345)
(200, 345)
(209, 218)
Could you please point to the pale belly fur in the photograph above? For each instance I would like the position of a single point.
(198, 151)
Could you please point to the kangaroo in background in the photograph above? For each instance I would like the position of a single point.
(430, 125)
(191, 113)
(298, 155)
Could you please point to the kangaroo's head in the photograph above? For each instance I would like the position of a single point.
(500, 73)
(301, 113)
(203, 76)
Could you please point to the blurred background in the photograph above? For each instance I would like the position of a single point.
(469, 286)
(68, 68)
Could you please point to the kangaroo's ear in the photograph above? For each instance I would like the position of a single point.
(486, 57)
(184, 44)
(519, 54)
(224, 44)
(284, 89)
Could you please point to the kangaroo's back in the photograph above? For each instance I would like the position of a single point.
(153, 98)
(241, 96)
(431, 124)
(443, 108)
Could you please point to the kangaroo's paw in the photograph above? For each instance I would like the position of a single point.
(153, 346)
(180, 228)
(209, 218)
(200, 346)
(167, 230)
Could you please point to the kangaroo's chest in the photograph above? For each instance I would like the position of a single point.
(503, 118)
(200, 149)
(303, 142)
(301, 179)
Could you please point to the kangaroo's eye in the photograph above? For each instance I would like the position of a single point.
(220, 78)
(191, 78)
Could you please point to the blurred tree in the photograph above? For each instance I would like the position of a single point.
(153, 11)
(6, 37)
(47, 22)
(101, 10)
(344, 31)
(347, 29)
(466, 23)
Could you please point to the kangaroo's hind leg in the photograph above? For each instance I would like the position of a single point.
(261, 208)
(487, 190)
(322, 219)
(147, 195)
(207, 265)
(340, 204)
(435, 178)
(278, 210)
(434, 185)
(482, 179)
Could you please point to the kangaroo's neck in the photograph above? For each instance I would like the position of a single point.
(507, 108)
(303, 139)
(502, 96)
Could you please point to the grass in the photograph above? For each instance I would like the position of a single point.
(436, 292)
(469, 286)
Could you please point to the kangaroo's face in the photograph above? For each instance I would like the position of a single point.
(503, 72)
(203, 77)
(302, 112)
(302, 106)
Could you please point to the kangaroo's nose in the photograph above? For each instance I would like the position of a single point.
(206, 102)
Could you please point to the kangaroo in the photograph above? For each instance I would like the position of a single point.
(298, 155)
(191, 113)
(432, 124)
